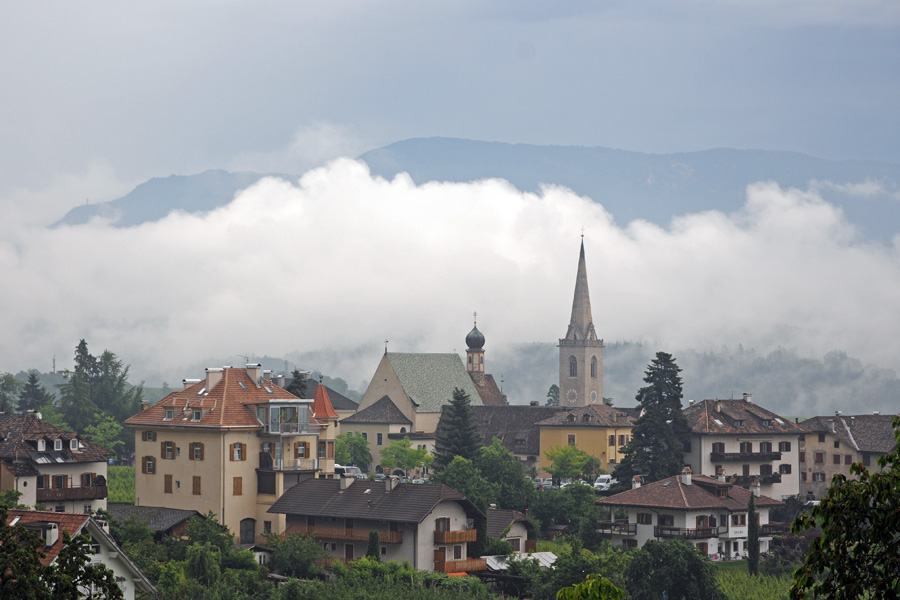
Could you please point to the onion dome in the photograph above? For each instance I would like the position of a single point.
(475, 339)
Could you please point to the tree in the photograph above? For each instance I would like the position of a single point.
(566, 461)
(659, 435)
(76, 398)
(458, 435)
(752, 537)
(594, 587)
(298, 384)
(856, 555)
(295, 555)
(33, 395)
(401, 454)
(373, 549)
(505, 470)
(352, 449)
(203, 563)
(463, 476)
(105, 434)
(9, 392)
(674, 570)
(553, 395)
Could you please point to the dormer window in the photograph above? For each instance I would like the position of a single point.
(197, 414)
(57, 445)
(767, 423)
(586, 418)
(170, 414)
(738, 422)
(73, 444)
(41, 445)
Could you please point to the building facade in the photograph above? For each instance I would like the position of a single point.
(596, 429)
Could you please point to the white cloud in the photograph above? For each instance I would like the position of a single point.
(342, 259)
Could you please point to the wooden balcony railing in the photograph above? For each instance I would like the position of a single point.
(459, 566)
(329, 561)
(91, 492)
(455, 537)
(744, 456)
(747, 480)
(617, 527)
(682, 532)
(342, 533)
(774, 528)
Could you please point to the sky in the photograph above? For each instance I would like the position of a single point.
(100, 96)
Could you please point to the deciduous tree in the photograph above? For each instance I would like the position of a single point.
(401, 454)
(566, 462)
(352, 449)
(9, 392)
(674, 569)
(504, 469)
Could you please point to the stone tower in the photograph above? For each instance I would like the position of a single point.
(581, 352)
(475, 351)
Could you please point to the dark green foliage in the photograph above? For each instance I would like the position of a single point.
(401, 454)
(10, 499)
(295, 555)
(553, 395)
(9, 392)
(458, 435)
(752, 537)
(373, 549)
(505, 471)
(856, 555)
(572, 566)
(566, 462)
(594, 587)
(656, 449)
(298, 385)
(33, 395)
(575, 506)
(674, 568)
(497, 547)
(352, 449)
(202, 530)
(463, 476)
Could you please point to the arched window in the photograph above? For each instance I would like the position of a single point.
(403, 429)
(594, 367)
(573, 367)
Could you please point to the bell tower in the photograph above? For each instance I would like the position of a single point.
(581, 352)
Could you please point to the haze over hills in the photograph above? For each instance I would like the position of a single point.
(630, 185)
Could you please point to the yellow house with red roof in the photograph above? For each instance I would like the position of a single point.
(231, 443)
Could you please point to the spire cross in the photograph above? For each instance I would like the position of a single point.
(385, 346)
(475, 317)
(582, 232)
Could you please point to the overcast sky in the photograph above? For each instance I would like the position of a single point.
(98, 97)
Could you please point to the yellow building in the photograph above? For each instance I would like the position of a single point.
(599, 430)
(231, 443)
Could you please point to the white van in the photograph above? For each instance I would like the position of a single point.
(349, 470)
(604, 482)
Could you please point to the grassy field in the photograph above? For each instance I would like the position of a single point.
(121, 484)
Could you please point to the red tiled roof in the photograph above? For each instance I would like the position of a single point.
(19, 434)
(322, 407)
(71, 522)
(671, 493)
(228, 404)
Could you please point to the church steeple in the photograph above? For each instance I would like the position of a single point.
(581, 352)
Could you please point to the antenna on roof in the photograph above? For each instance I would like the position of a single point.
(385, 346)
(246, 358)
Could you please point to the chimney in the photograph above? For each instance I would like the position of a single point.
(279, 380)
(832, 425)
(718, 406)
(346, 481)
(51, 534)
(144, 406)
(254, 371)
(876, 412)
(535, 403)
(636, 482)
(186, 383)
(720, 474)
(690, 402)
(213, 377)
(756, 487)
(748, 397)
(686, 476)
(390, 483)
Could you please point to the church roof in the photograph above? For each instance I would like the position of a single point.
(429, 379)
(581, 325)
(488, 390)
(383, 411)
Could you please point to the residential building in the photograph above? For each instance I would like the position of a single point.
(50, 526)
(160, 520)
(709, 513)
(231, 443)
(597, 429)
(428, 525)
(581, 351)
(417, 385)
(51, 467)
(832, 444)
(511, 526)
(747, 442)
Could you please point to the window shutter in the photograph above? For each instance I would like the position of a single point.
(296, 450)
(231, 452)
(201, 449)
(162, 449)
(244, 449)
(144, 464)
(143, 436)
(306, 449)
(191, 451)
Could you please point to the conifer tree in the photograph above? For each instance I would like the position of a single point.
(659, 435)
(33, 395)
(752, 537)
(458, 435)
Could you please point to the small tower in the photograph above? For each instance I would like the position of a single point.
(581, 352)
(475, 349)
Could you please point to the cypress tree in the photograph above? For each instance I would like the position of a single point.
(373, 550)
(752, 537)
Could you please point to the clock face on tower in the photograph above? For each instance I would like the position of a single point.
(572, 396)
(593, 397)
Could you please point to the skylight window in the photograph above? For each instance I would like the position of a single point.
(243, 387)
(779, 421)
(268, 389)
(719, 423)
(201, 392)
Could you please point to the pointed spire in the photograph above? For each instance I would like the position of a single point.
(581, 325)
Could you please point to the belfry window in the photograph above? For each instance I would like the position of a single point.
(573, 367)
(594, 367)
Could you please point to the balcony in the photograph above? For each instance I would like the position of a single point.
(294, 464)
(459, 566)
(617, 528)
(744, 456)
(93, 492)
(747, 480)
(774, 528)
(455, 537)
(342, 533)
(701, 533)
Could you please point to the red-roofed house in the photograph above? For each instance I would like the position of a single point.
(50, 526)
(231, 443)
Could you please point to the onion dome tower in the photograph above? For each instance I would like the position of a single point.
(475, 349)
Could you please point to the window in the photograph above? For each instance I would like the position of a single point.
(73, 444)
(645, 519)
(837, 444)
(687, 446)
(819, 476)
(571, 438)
(573, 367)
(383, 550)
(196, 451)
(821, 438)
(667, 520)
(718, 447)
(622, 441)
(42, 481)
(60, 481)
(238, 451)
(457, 552)
(60, 508)
(738, 422)
(802, 456)
(765, 470)
(86, 509)
(784, 469)
(765, 446)
(167, 484)
(867, 460)
(738, 519)
(170, 414)
(365, 436)
(379, 439)
(594, 367)
(57, 445)
(612, 440)
(148, 436)
(149, 465)
(322, 449)
(267, 526)
(403, 430)
(629, 542)
(820, 457)
(848, 459)
(238, 486)
(87, 479)
(722, 492)
(167, 450)
(767, 422)
(784, 446)
(746, 447)
(802, 475)
(442, 524)
(196, 490)
(41, 445)
(197, 414)
(836, 459)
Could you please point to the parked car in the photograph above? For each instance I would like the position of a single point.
(604, 482)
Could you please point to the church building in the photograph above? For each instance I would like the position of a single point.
(581, 352)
